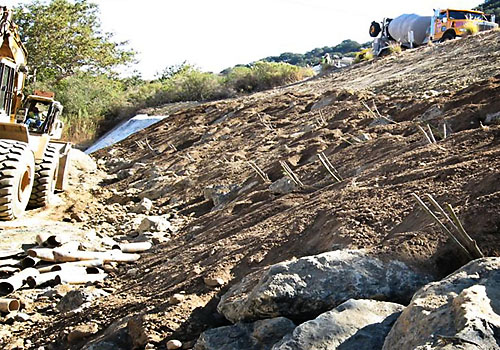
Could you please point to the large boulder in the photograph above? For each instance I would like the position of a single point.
(353, 325)
(306, 287)
(460, 312)
(260, 335)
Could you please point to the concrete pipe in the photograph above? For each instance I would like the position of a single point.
(41, 238)
(105, 256)
(45, 254)
(57, 240)
(135, 247)
(35, 281)
(15, 282)
(9, 262)
(9, 305)
(68, 265)
(70, 277)
(29, 261)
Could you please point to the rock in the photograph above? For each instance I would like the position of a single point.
(174, 344)
(311, 285)
(137, 333)
(79, 216)
(143, 207)
(154, 224)
(380, 121)
(176, 299)
(74, 299)
(325, 101)
(214, 282)
(260, 335)
(17, 317)
(283, 186)
(81, 332)
(463, 310)
(493, 118)
(221, 195)
(432, 113)
(124, 174)
(353, 325)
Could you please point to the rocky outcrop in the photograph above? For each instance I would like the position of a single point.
(461, 311)
(306, 287)
(260, 335)
(353, 325)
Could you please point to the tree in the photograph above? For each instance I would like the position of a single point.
(64, 38)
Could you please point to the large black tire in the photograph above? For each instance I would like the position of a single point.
(17, 172)
(448, 36)
(375, 29)
(45, 179)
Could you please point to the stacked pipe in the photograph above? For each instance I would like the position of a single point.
(62, 262)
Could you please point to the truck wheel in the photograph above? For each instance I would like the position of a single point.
(447, 36)
(375, 29)
(45, 178)
(17, 171)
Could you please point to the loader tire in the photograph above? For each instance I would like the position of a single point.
(45, 179)
(17, 172)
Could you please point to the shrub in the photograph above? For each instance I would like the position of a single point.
(471, 28)
(364, 55)
(265, 75)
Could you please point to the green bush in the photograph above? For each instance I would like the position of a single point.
(265, 75)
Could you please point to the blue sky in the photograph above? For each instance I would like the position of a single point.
(218, 34)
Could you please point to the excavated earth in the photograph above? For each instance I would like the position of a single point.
(182, 161)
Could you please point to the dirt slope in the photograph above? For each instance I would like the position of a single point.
(455, 84)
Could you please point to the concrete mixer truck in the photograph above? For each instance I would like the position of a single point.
(411, 30)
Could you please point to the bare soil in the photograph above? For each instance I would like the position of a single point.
(455, 84)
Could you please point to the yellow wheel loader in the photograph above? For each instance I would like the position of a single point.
(32, 163)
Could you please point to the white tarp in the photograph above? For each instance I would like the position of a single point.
(401, 25)
(124, 130)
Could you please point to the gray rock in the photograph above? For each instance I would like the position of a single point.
(124, 174)
(493, 118)
(353, 325)
(74, 299)
(283, 186)
(380, 121)
(432, 113)
(221, 195)
(143, 207)
(460, 312)
(311, 285)
(154, 224)
(323, 102)
(260, 335)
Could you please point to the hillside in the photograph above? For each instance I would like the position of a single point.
(229, 224)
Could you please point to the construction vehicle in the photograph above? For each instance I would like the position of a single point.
(33, 164)
(410, 30)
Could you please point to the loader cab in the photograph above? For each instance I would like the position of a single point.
(41, 115)
(7, 79)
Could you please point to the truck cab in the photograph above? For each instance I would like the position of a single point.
(449, 23)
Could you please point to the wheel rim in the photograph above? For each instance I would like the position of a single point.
(24, 184)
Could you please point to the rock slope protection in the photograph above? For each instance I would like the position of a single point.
(198, 167)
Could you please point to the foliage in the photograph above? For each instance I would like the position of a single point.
(491, 7)
(64, 38)
(364, 55)
(264, 75)
(313, 57)
(395, 48)
(471, 28)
